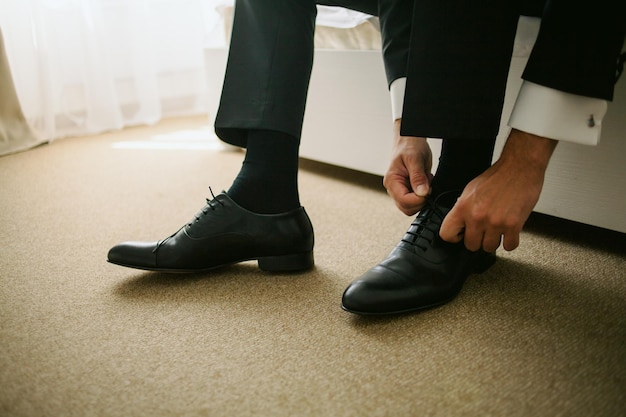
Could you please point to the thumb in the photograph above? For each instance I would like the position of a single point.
(420, 175)
(420, 183)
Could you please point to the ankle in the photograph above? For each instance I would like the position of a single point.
(267, 182)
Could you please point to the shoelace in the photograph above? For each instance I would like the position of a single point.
(211, 204)
(429, 219)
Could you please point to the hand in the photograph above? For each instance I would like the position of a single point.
(408, 177)
(494, 206)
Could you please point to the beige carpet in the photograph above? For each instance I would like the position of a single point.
(543, 333)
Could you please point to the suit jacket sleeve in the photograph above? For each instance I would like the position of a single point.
(460, 55)
(578, 47)
(572, 70)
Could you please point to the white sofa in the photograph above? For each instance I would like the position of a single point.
(348, 123)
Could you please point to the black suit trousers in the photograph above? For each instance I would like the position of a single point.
(271, 56)
(455, 54)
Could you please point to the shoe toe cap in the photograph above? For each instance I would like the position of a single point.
(135, 254)
(378, 291)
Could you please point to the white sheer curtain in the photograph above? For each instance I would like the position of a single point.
(87, 66)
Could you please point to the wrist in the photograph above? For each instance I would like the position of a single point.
(528, 149)
(397, 123)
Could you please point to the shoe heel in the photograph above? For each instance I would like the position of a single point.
(484, 263)
(296, 262)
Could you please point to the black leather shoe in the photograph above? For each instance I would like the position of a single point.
(422, 271)
(224, 233)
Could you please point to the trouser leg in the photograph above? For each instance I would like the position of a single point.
(458, 67)
(264, 96)
(271, 55)
(268, 69)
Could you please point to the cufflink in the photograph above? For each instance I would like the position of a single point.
(591, 122)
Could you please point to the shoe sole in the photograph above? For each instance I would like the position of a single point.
(282, 263)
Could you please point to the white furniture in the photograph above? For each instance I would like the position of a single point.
(348, 123)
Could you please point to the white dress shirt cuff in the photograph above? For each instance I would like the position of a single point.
(554, 114)
(396, 89)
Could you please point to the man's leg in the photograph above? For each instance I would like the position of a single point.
(261, 109)
(460, 55)
(268, 69)
(575, 59)
(458, 80)
(265, 89)
(455, 89)
(263, 99)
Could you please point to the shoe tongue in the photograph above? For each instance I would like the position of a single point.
(446, 200)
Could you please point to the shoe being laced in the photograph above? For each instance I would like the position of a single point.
(425, 228)
(422, 271)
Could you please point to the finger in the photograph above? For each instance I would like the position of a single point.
(491, 241)
(453, 228)
(511, 241)
(405, 199)
(410, 203)
(396, 187)
(420, 184)
(473, 239)
(419, 177)
(420, 180)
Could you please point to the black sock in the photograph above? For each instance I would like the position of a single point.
(460, 162)
(268, 180)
